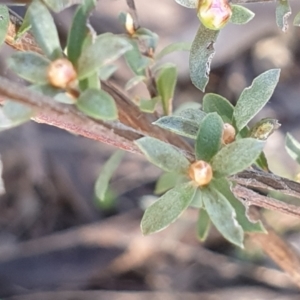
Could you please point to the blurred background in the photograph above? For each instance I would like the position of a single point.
(58, 242)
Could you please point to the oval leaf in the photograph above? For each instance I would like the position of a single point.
(194, 115)
(223, 216)
(209, 137)
(107, 172)
(17, 113)
(201, 55)
(134, 81)
(106, 49)
(30, 66)
(167, 208)
(223, 186)
(203, 225)
(163, 155)
(79, 30)
(241, 15)
(188, 3)
(97, 104)
(4, 22)
(218, 104)
(236, 156)
(44, 29)
(60, 5)
(167, 181)
(178, 125)
(283, 11)
(254, 98)
(297, 20)
(166, 83)
(292, 147)
(149, 105)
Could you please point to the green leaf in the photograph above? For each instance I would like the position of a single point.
(44, 29)
(283, 11)
(292, 147)
(197, 199)
(58, 6)
(79, 30)
(97, 104)
(147, 37)
(254, 98)
(149, 105)
(241, 14)
(216, 103)
(262, 162)
(166, 83)
(91, 82)
(297, 20)
(223, 216)
(264, 128)
(134, 81)
(135, 60)
(4, 22)
(106, 49)
(167, 181)
(17, 113)
(201, 55)
(107, 172)
(194, 115)
(107, 71)
(209, 137)
(236, 157)
(223, 186)
(26, 25)
(178, 125)
(167, 208)
(179, 46)
(163, 155)
(203, 225)
(30, 66)
(188, 3)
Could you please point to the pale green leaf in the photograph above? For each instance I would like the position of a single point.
(283, 11)
(223, 216)
(188, 3)
(223, 186)
(179, 46)
(167, 208)
(79, 30)
(107, 71)
(4, 22)
(194, 115)
(209, 137)
(254, 98)
(30, 66)
(178, 125)
(297, 20)
(149, 105)
(166, 83)
(292, 147)
(241, 14)
(167, 181)
(17, 113)
(106, 49)
(236, 157)
(203, 225)
(134, 81)
(44, 29)
(106, 173)
(58, 6)
(201, 55)
(197, 199)
(216, 103)
(97, 104)
(25, 27)
(163, 155)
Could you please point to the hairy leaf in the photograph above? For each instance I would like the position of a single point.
(179, 46)
(203, 225)
(163, 155)
(167, 208)
(188, 3)
(202, 52)
(241, 14)
(4, 22)
(254, 98)
(292, 147)
(283, 11)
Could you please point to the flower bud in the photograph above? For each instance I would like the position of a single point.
(214, 14)
(228, 135)
(129, 24)
(61, 73)
(201, 172)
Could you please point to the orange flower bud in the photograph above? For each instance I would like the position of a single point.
(201, 172)
(214, 14)
(61, 73)
(228, 135)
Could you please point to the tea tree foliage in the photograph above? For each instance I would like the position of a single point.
(224, 145)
